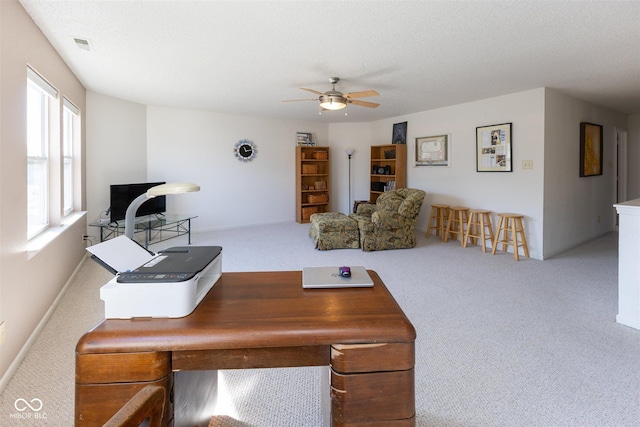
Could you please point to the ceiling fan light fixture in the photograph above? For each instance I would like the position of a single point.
(333, 102)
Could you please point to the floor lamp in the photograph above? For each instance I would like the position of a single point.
(158, 190)
(349, 152)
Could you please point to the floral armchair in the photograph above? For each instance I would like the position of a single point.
(390, 223)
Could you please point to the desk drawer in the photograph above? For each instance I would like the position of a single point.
(122, 367)
(352, 358)
(242, 358)
(379, 397)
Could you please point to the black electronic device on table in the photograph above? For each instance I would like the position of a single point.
(176, 264)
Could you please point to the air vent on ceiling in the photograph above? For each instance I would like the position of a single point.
(83, 44)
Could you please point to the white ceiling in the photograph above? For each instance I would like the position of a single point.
(245, 57)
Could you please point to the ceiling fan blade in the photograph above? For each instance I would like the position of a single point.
(363, 103)
(361, 94)
(296, 100)
(312, 91)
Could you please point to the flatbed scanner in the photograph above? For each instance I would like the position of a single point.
(168, 284)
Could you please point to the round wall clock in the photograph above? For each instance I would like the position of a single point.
(245, 150)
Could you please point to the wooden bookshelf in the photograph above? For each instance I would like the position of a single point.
(312, 181)
(388, 165)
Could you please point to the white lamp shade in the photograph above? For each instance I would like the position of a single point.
(172, 188)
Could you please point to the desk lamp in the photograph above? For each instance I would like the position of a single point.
(158, 190)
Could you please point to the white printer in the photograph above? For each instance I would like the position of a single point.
(169, 284)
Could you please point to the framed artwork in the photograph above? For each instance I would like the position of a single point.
(305, 138)
(399, 133)
(493, 148)
(590, 149)
(433, 150)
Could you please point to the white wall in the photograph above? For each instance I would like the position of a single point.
(344, 136)
(29, 283)
(197, 146)
(576, 209)
(116, 149)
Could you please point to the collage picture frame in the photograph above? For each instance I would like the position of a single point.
(494, 148)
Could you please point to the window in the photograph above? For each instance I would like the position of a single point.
(53, 159)
(69, 136)
(39, 93)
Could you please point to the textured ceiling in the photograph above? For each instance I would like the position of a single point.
(245, 57)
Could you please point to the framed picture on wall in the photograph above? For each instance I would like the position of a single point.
(590, 149)
(399, 133)
(493, 148)
(433, 150)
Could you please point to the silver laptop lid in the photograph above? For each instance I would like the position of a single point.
(328, 277)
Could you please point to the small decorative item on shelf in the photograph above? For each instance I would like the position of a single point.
(320, 185)
(390, 154)
(391, 185)
(318, 198)
(320, 155)
(308, 211)
(377, 186)
(309, 169)
(305, 139)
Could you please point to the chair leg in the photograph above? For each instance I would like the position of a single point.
(514, 238)
(445, 238)
(465, 239)
(525, 248)
(482, 234)
(497, 236)
(431, 218)
(490, 237)
(442, 219)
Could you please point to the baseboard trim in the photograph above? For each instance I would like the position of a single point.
(232, 227)
(4, 381)
(626, 321)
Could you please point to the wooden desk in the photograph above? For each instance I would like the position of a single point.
(261, 320)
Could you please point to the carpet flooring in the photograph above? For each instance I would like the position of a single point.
(500, 342)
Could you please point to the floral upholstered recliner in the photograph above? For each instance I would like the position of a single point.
(390, 223)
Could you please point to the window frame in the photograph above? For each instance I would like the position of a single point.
(38, 154)
(70, 137)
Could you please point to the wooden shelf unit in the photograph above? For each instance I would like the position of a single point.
(312, 181)
(392, 158)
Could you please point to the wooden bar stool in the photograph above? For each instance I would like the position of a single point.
(511, 226)
(479, 227)
(458, 217)
(438, 220)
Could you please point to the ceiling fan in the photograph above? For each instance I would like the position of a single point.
(335, 100)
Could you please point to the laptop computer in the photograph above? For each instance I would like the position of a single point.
(329, 277)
